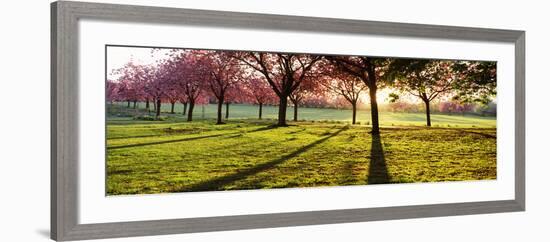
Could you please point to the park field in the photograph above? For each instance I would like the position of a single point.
(145, 157)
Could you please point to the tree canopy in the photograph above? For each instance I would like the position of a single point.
(210, 76)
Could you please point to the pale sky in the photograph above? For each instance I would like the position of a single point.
(117, 57)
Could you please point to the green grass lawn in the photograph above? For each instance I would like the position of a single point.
(175, 156)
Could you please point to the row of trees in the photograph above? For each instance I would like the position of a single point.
(223, 77)
(443, 106)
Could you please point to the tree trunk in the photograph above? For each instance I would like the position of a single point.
(428, 119)
(128, 103)
(282, 111)
(135, 102)
(227, 110)
(147, 104)
(190, 111)
(154, 106)
(184, 108)
(172, 107)
(295, 110)
(158, 109)
(374, 110)
(260, 111)
(354, 110)
(220, 105)
(371, 71)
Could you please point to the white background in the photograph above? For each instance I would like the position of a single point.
(24, 207)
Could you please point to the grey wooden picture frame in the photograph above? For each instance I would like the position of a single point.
(64, 118)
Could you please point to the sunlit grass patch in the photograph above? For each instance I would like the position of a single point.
(175, 156)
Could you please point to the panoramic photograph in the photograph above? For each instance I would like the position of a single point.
(192, 120)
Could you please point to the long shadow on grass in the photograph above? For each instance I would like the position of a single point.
(134, 137)
(229, 135)
(484, 135)
(217, 183)
(378, 172)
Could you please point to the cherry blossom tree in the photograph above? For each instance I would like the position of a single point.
(133, 80)
(342, 83)
(283, 71)
(124, 92)
(225, 73)
(232, 95)
(259, 92)
(158, 87)
(112, 91)
(190, 75)
(172, 95)
(171, 85)
(182, 98)
(310, 86)
(368, 70)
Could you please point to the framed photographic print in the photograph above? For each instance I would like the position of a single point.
(170, 120)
